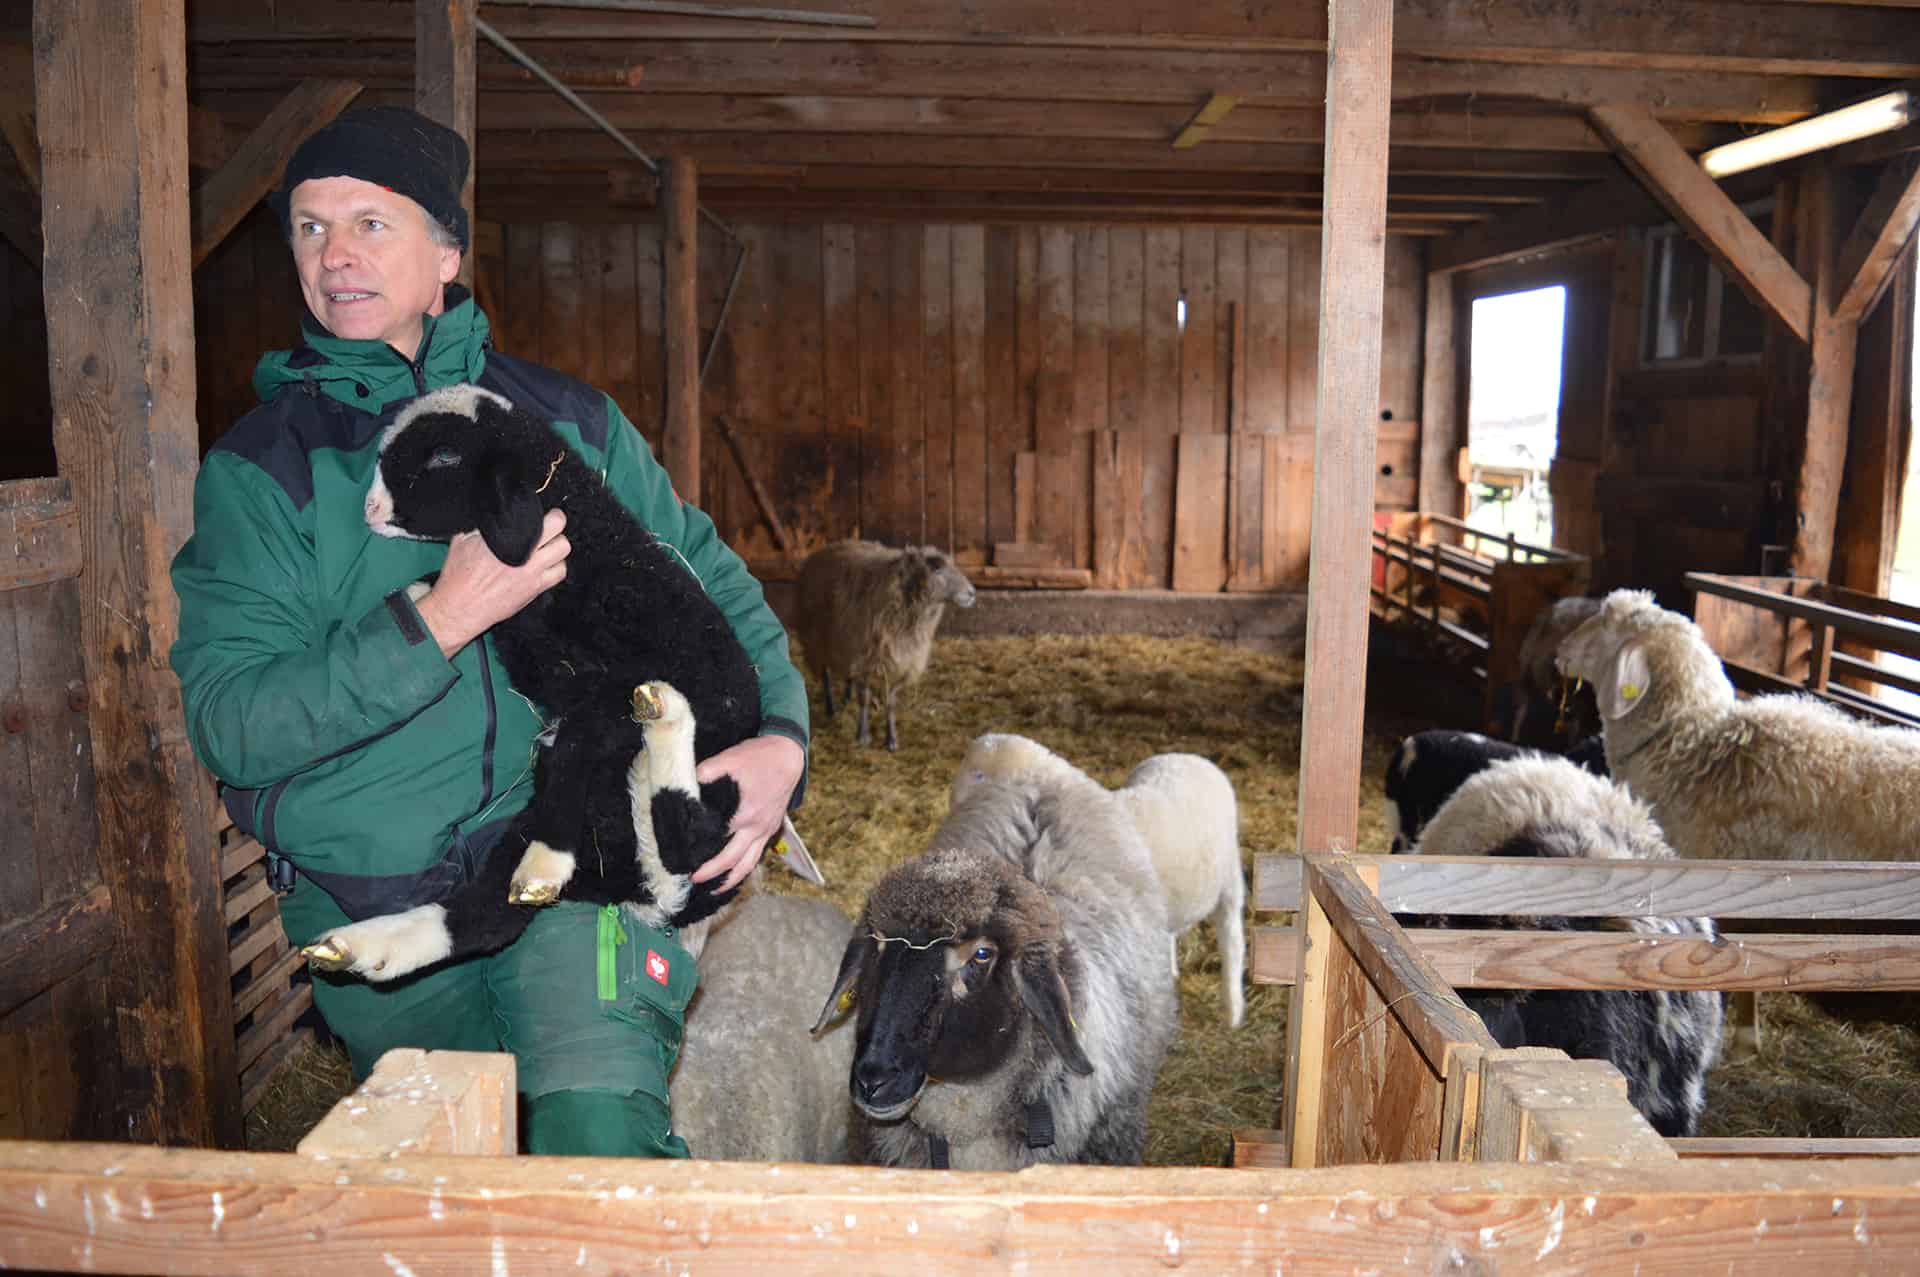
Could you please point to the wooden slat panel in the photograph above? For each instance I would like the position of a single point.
(1119, 543)
(1793, 1149)
(1200, 506)
(1617, 888)
(620, 301)
(1287, 509)
(650, 353)
(971, 416)
(1303, 331)
(1198, 393)
(908, 500)
(271, 1023)
(267, 982)
(873, 256)
(1054, 388)
(1092, 269)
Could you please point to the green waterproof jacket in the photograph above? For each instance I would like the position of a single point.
(351, 745)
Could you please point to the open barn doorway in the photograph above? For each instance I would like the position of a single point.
(1513, 411)
(1905, 584)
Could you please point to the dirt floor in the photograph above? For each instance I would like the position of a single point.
(1830, 1068)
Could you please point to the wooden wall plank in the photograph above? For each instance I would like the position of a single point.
(20, 893)
(1055, 507)
(874, 256)
(620, 298)
(1303, 332)
(53, 696)
(838, 478)
(1200, 513)
(1006, 426)
(971, 534)
(516, 329)
(1286, 479)
(937, 390)
(1402, 316)
(680, 240)
(1229, 300)
(1161, 406)
(1092, 268)
(909, 499)
(1197, 371)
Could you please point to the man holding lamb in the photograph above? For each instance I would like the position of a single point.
(373, 744)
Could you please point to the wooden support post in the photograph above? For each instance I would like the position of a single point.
(680, 437)
(1561, 1110)
(1353, 271)
(1307, 1033)
(1440, 488)
(419, 1102)
(1829, 393)
(443, 86)
(119, 305)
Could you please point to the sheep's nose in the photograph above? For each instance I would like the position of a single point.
(868, 1080)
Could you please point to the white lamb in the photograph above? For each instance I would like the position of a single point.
(1185, 811)
(1774, 777)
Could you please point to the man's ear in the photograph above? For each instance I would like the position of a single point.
(1627, 682)
(450, 259)
(507, 510)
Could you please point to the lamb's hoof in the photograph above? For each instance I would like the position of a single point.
(330, 953)
(523, 891)
(647, 704)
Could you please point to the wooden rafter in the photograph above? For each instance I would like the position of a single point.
(1729, 236)
(1878, 238)
(230, 194)
(1211, 113)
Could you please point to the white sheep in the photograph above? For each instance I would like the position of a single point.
(868, 612)
(1663, 1041)
(1774, 777)
(752, 1084)
(1185, 810)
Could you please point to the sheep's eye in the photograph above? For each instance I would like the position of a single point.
(442, 458)
(982, 955)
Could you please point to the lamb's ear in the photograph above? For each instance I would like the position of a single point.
(507, 508)
(842, 996)
(1044, 991)
(1627, 681)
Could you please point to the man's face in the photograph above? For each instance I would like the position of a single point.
(368, 266)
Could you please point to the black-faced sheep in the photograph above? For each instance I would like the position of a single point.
(1541, 708)
(1664, 1042)
(867, 613)
(1013, 1005)
(1786, 777)
(1185, 810)
(627, 654)
(1430, 766)
(751, 1083)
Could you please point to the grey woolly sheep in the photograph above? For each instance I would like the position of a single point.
(752, 1084)
(1664, 1042)
(867, 613)
(1185, 810)
(1786, 777)
(1011, 1004)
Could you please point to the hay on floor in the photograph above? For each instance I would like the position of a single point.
(1108, 702)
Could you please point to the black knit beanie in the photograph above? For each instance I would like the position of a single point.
(390, 146)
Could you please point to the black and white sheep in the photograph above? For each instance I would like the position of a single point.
(635, 668)
(1185, 810)
(1787, 777)
(1663, 1041)
(752, 1084)
(1013, 1004)
(867, 612)
(1430, 766)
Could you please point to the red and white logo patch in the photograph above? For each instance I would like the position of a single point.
(657, 967)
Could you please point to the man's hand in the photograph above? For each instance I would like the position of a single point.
(766, 768)
(476, 591)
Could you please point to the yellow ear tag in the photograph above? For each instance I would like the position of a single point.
(1630, 691)
(846, 1000)
(780, 847)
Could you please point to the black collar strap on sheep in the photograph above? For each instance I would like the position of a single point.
(1039, 1135)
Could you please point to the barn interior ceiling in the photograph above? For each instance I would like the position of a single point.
(1111, 110)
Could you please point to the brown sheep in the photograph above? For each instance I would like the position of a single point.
(867, 612)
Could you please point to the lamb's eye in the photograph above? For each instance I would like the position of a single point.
(982, 955)
(442, 458)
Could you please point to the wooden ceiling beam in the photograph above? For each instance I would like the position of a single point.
(1877, 240)
(1002, 120)
(1676, 35)
(230, 194)
(1172, 76)
(1728, 235)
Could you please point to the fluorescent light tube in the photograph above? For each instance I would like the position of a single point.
(1816, 133)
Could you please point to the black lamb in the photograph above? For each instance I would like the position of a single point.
(636, 670)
